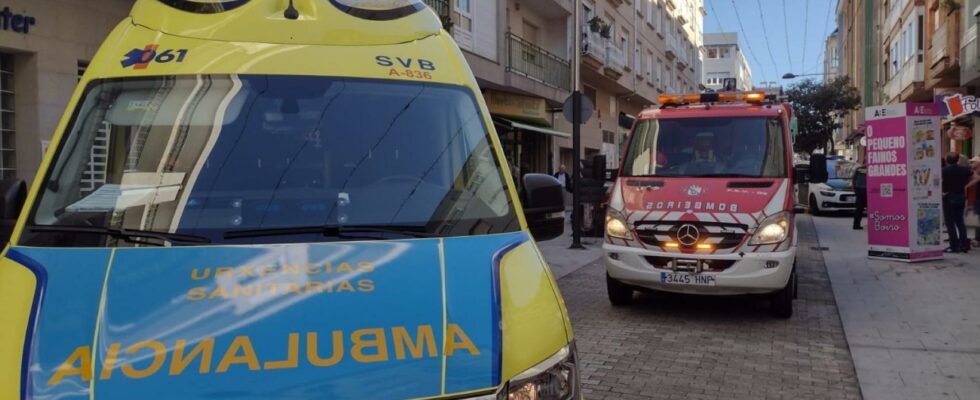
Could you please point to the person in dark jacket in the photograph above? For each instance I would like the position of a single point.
(861, 193)
(955, 179)
(564, 178)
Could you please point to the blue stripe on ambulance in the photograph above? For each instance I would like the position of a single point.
(73, 287)
(473, 300)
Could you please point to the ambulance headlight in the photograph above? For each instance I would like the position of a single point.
(616, 225)
(553, 379)
(772, 230)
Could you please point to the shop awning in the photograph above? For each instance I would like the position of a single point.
(517, 125)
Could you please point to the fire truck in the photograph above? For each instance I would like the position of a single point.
(703, 202)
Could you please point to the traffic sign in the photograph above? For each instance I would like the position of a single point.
(587, 108)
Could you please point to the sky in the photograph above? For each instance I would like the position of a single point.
(794, 43)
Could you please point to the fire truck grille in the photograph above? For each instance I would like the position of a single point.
(688, 235)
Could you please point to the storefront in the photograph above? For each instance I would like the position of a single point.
(961, 114)
(45, 46)
(524, 126)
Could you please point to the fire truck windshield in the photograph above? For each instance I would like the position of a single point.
(708, 147)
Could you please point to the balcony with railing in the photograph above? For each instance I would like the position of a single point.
(911, 73)
(527, 59)
(969, 58)
(672, 49)
(939, 51)
(593, 49)
(442, 9)
(944, 50)
(616, 61)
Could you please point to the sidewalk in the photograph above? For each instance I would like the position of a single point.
(913, 329)
(563, 260)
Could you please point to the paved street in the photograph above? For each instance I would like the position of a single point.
(914, 329)
(684, 347)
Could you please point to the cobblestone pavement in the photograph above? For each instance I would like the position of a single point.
(669, 346)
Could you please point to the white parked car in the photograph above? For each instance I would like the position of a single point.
(837, 194)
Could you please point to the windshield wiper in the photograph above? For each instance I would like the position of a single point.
(338, 231)
(124, 234)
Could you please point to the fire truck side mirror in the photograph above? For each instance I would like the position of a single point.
(818, 168)
(801, 174)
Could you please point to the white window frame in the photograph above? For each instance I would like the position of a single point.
(467, 13)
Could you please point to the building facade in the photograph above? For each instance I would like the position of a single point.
(43, 52)
(856, 25)
(832, 70)
(522, 53)
(724, 59)
(632, 52)
(831, 59)
(920, 50)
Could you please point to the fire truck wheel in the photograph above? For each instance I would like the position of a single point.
(619, 293)
(781, 302)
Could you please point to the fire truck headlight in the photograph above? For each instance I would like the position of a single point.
(772, 230)
(616, 225)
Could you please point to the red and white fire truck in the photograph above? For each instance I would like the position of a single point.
(703, 203)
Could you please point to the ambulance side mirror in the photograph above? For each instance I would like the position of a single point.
(818, 168)
(13, 193)
(544, 206)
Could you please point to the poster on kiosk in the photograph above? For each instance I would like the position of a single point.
(903, 153)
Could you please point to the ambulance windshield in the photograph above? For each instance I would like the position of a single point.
(707, 147)
(202, 156)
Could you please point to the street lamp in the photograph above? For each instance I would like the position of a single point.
(790, 75)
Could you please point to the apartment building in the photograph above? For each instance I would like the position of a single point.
(969, 66)
(831, 59)
(921, 60)
(522, 53)
(859, 54)
(633, 51)
(724, 59)
(832, 70)
(920, 50)
(903, 41)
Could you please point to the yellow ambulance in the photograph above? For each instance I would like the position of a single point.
(280, 199)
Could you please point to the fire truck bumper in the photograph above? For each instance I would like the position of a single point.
(751, 273)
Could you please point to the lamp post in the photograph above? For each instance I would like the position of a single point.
(577, 129)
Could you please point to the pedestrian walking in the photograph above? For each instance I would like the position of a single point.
(564, 178)
(861, 192)
(955, 179)
(975, 183)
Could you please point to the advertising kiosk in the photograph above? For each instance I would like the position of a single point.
(904, 187)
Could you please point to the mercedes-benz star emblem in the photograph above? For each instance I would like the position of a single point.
(688, 234)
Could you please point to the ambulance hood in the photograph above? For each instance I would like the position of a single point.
(724, 200)
(386, 319)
